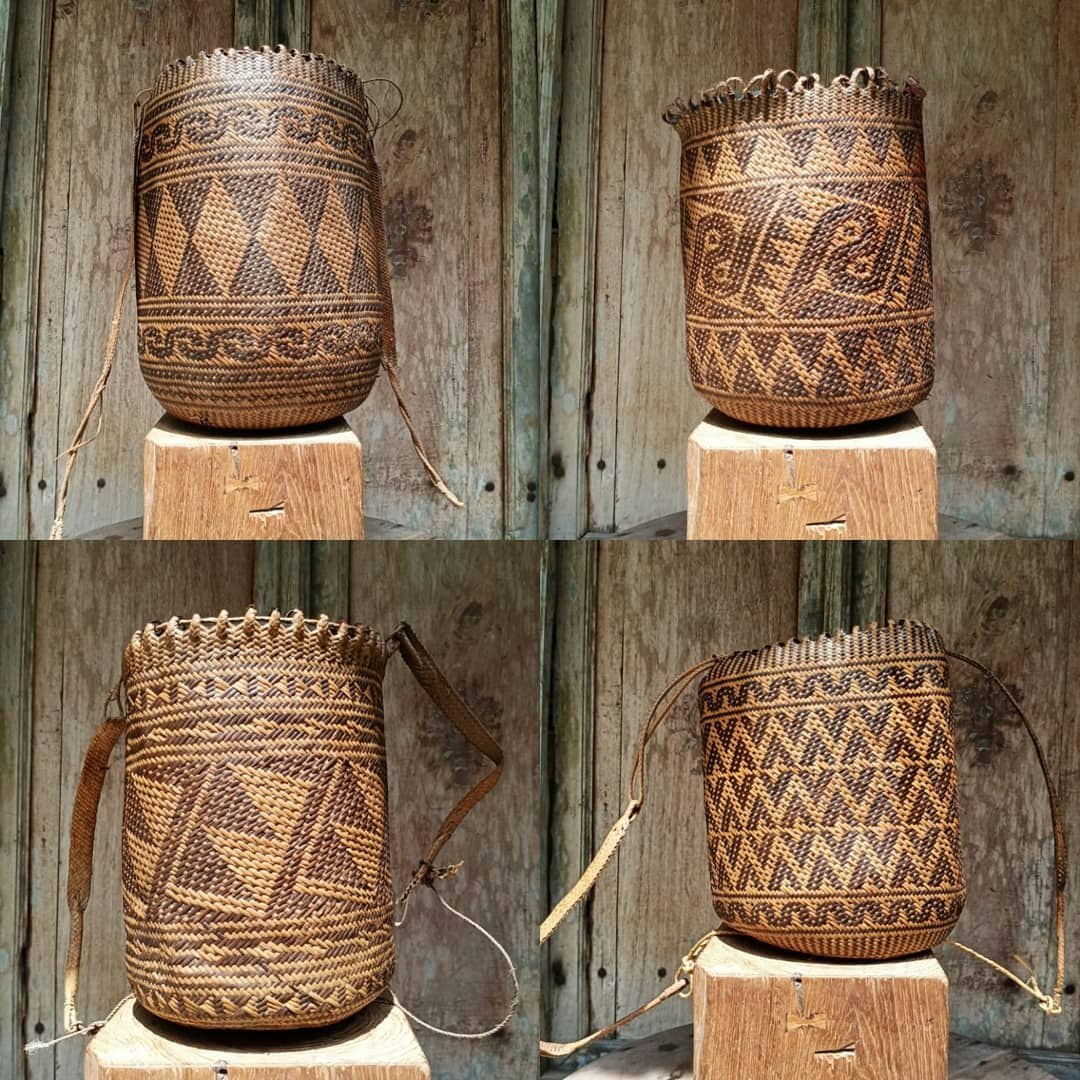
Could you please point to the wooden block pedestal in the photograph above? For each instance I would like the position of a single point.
(871, 482)
(378, 1044)
(305, 484)
(760, 1012)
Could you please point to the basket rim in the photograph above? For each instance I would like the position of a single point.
(224, 626)
(774, 84)
(809, 649)
(189, 67)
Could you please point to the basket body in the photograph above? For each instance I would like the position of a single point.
(830, 793)
(257, 210)
(256, 875)
(806, 252)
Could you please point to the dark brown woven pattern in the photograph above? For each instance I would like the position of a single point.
(257, 216)
(830, 793)
(806, 248)
(256, 876)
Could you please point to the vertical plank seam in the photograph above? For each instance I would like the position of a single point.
(24, 771)
(613, 519)
(32, 272)
(1049, 467)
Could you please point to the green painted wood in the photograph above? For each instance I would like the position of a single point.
(570, 718)
(283, 575)
(823, 36)
(273, 22)
(292, 24)
(523, 393)
(549, 20)
(863, 34)
(869, 582)
(312, 575)
(253, 22)
(331, 561)
(25, 94)
(574, 252)
(17, 565)
(841, 584)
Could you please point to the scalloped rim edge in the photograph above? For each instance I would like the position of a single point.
(224, 627)
(731, 90)
(179, 68)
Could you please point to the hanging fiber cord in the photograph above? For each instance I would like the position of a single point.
(389, 351)
(683, 980)
(515, 1001)
(1049, 1003)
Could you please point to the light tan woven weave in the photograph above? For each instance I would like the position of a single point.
(806, 248)
(256, 875)
(830, 793)
(262, 295)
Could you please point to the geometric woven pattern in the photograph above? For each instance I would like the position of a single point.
(830, 793)
(258, 263)
(256, 874)
(806, 249)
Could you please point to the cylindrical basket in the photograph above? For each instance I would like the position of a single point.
(806, 248)
(255, 863)
(830, 793)
(256, 873)
(261, 286)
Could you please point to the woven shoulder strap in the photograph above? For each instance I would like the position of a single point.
(682, 983)
(96, 764)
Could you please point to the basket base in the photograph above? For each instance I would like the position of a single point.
(372, 1045)
(814, 413)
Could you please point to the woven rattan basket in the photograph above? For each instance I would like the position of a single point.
(830, 803)
(806, 248)
(262, 290)
(256, 873)
(830, 793)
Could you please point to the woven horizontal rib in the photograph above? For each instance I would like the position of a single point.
(806, 248)
(830, 792)
(256, 877)
(261, 299)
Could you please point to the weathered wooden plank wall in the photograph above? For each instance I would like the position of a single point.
(1014, 607)
(621, 404)
(477, 609)
(460, 173)
(440, 157)
(100, 56)
(1001, 128)
(17, 572)
(477, 612)
(90, 599)
(631, 616)
(1002, 123)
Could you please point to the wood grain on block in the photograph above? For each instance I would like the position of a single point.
(306, 484)
(377, 1044)
(759, 1012)
(871, 482)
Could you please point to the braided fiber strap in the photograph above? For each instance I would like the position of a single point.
(88, 794)
(585, 884)
(682, 984)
